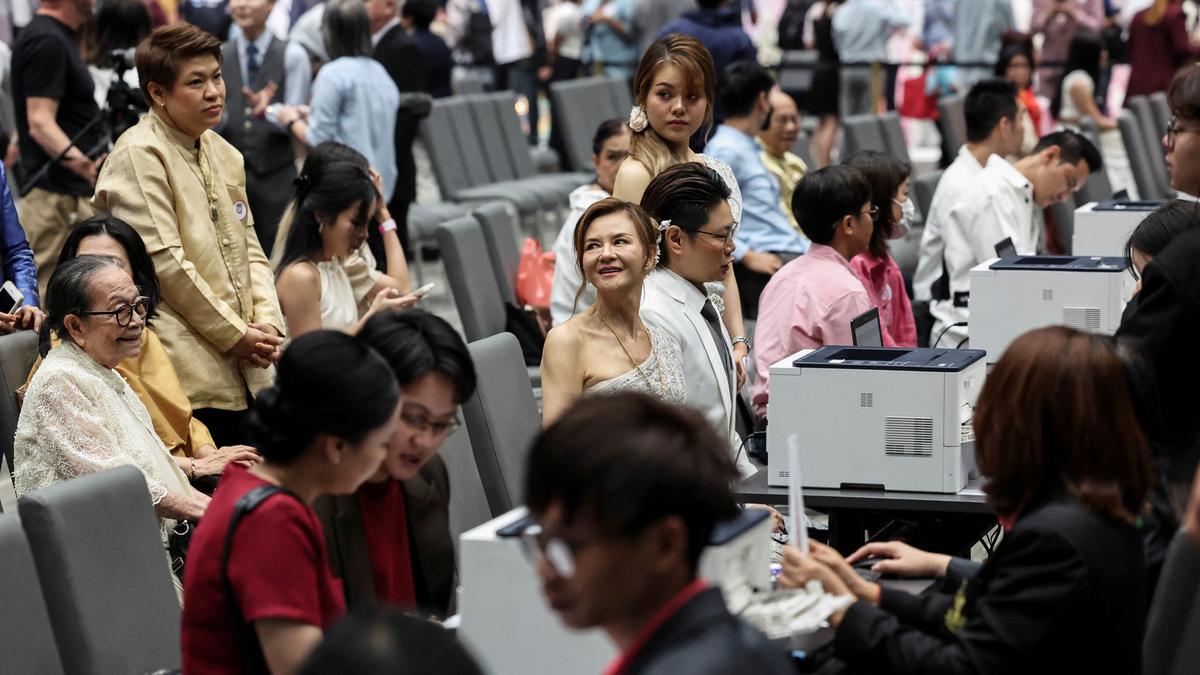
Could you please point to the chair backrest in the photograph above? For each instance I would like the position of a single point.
(893, 136)
(923, 186)
(862, 132)
(803, 149)
(470, 142)
(468, 503)
(1162, 110)
(504, 108)
(104, 574)
(18, 351)
(26, 639)
(469, 270)
(796, 69)
(437, 133)
(502, 238)
(952, 123)
(502, 419)
(1063, 214)
(578, 118)
(491, 135)
(1152, 134)
(1096, 189)
(620, 98)
(1139, 159)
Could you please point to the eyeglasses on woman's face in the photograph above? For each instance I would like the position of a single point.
(124, 313)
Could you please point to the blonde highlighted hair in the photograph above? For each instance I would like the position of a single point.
(694, 61)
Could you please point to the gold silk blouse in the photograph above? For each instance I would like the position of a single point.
(187, 199)
(788, 170)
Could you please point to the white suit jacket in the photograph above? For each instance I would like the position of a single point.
(673, 304)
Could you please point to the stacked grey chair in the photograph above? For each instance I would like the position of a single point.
(579, 107)
(952, 123)
(26, 638)
(862, 132)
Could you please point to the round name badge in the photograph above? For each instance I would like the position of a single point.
(240, 209)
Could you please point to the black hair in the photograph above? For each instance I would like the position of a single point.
(711, 4)
(415, 342)
(1073, 148)
(739, 85)
(69, 292)
(346, 29)
(140, 263)
(665, 460)
(606, 130)
(381, 640)
(1159, 229)
(822, 198)
(1083, 54)
(337, 186)
(326, 383)
(988, 102)
(684, 194)
(885, 174)
(117, 24)
(1009, 52)
(422, 12)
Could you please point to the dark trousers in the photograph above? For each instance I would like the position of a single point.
(521, 77)
(268, 194)
(224, 425)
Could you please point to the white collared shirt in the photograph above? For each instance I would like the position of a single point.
(956, 180)
(998, 204)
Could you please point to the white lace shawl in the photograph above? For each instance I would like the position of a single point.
(79, 418)
(660, 375)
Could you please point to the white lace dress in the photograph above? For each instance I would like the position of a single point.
(339, 309)
(80, 418)
(660, 375)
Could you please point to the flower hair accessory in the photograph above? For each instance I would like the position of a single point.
(637, 119)
(662, 227)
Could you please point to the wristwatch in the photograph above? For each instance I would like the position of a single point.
(742, 339)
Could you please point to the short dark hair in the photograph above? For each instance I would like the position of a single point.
(159, 56)
(1055, 419)
(606, 130)
(69, 292)
(1184, 94)
(1083, 54)
(988, 102)
(824, 196)
(1009, 52)
(383, 640)
(885, 174)
(140, 263)
(422, 12)
(415, 342)
(739, 86)
(1160, 228)
(711, 4)
(327, 383)
(684, 194)
(1073, 148)
(665, 461)
(346, 29)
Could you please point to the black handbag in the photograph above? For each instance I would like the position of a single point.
(177, 545)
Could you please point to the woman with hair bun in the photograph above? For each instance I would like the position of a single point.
(259, 554)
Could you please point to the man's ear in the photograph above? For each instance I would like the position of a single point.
(1051, 155)
(674, 239)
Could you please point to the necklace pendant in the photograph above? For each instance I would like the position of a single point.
(212, 210)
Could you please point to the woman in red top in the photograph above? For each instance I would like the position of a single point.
(390, 541)
(323, 428)
(1016, 65)
(879, 273)
(1159, 45)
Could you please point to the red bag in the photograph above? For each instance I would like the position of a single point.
(535, 275)
(916, 103)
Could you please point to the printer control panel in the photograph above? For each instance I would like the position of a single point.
(890, 358)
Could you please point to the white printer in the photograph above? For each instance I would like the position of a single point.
(510, 629)
(1102, 228)
(1011, 296)
(875, 417)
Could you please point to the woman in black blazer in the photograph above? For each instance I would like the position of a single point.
(390, 541)
(1068, 471)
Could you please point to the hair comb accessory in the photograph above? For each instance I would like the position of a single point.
(637, 119)
(663, 225)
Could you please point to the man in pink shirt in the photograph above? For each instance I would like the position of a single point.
(810, 301)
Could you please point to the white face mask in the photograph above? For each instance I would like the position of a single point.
(908, 213)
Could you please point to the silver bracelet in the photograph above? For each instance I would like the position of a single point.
(742, 339)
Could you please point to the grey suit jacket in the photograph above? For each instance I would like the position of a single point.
(1172, 643)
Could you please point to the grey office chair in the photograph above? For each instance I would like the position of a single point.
(802, 148)
(104, 575)
(922, 188)
(893, 136)
(1152, 133)
(501, 236)
(861, 132)
(952, 123)
(26, 639)
(468, 502)
(472, 281)
(502, 419)
(1162, 110)
(1139, 158)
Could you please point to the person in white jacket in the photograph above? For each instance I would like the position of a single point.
(569, 295)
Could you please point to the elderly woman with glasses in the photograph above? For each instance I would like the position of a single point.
(390, 541)
(80, 416)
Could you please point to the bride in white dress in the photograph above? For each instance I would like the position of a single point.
(607, 348)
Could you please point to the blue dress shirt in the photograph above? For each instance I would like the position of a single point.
(18, 257)
(354, 102)
(764, 227)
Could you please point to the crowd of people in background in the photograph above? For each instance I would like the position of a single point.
(204, 208)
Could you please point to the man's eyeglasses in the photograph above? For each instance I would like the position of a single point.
(1174, 129)
(124, 313)
(873, 211)
(423, 424)
(556, 551)
(723, 238)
